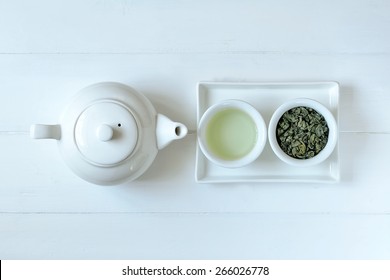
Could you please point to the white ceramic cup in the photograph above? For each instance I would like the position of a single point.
(330, 120)
(256, 121)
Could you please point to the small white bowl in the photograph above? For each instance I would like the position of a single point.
(330, 120)
(252, 113)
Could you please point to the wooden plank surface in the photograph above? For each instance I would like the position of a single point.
(51, 49)
(194, 236)
(47, 185)
(110, 26)
(169, 81)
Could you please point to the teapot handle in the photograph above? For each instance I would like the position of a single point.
(45, 131)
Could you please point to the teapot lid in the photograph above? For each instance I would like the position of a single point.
(106, 133)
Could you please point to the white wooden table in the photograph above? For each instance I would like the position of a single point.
(51, 49)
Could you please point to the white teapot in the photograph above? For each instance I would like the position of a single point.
(110, 133)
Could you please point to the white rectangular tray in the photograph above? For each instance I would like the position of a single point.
(266, 97)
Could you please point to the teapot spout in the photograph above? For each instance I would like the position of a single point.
(167, 131)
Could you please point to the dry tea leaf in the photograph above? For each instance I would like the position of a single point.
(302, 132)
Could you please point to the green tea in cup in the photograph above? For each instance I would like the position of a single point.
(232, 133)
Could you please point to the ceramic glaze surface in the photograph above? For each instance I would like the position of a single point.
(106, 138)
(110, 133)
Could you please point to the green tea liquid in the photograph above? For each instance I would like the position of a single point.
(231, 134)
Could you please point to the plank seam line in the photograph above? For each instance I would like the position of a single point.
(200, 213)
(221, 52)
(16, 132)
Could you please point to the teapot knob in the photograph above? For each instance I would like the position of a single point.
(104, 132)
